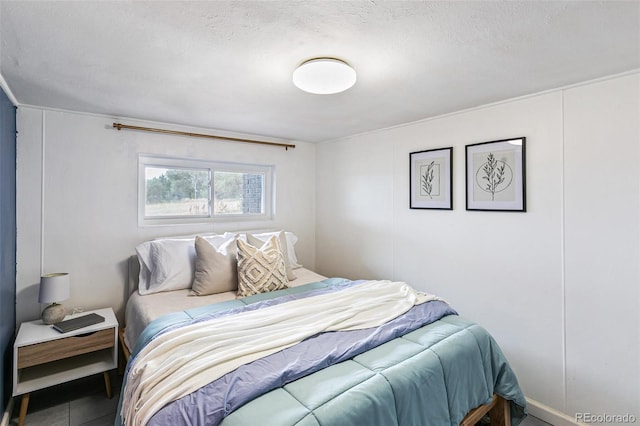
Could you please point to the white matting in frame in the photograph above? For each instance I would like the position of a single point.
(430, 179)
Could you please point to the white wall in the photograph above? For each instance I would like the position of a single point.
(557, 286)
(77, 200)
(602, 254)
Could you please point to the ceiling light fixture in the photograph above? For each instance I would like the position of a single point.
(324, 76)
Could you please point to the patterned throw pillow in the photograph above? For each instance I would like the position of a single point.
(282, 240)
(260, 270)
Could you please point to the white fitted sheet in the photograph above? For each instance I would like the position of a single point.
(141, 310)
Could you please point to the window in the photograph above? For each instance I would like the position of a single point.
(173, 191)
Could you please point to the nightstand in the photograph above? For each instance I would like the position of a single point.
(43, 357)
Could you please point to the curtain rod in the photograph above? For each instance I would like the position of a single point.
(120, 126)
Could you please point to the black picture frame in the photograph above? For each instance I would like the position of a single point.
(495, 175)
(431, 179)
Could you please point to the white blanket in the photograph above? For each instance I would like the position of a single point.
(181, 361)
(141, 310)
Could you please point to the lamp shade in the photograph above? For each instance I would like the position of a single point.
(54, 287)
(324, 76)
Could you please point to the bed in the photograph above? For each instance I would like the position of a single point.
(390, 355)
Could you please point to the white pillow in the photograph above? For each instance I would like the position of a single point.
(169, 264)
(291, 241)
(219, 240)
(143, 251)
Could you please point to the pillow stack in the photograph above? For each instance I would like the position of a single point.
(211, 264)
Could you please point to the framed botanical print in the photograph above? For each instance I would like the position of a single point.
(430, 179)
(495, 175)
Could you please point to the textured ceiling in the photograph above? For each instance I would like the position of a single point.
(228, 65)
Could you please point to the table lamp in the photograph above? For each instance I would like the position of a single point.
(54, 288)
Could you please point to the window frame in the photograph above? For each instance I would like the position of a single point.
(148, 160)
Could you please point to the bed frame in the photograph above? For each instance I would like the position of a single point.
(498, 411)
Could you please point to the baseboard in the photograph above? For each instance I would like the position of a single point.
(550, 415)
(6, 417)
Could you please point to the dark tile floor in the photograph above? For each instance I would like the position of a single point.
(84, 402)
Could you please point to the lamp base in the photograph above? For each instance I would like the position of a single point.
(53, 313)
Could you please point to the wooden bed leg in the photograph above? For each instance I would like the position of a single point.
(500, 414)
(498, 410)
(475, 415)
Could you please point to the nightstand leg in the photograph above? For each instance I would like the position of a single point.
(23, 408)
(107, 383)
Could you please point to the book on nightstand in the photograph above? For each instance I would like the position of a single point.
(78, 322)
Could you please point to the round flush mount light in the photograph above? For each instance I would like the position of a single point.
(324, 76)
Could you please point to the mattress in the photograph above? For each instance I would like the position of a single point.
(141, 310)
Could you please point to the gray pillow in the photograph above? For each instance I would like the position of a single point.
(215, 269)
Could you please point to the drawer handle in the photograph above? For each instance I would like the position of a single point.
(85, 334)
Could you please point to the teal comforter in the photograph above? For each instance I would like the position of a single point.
(433, 375)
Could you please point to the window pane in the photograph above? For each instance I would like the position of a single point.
(176, 192)
(238, 193)
(181, 190)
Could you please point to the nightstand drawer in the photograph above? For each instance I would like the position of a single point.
(41, 353)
